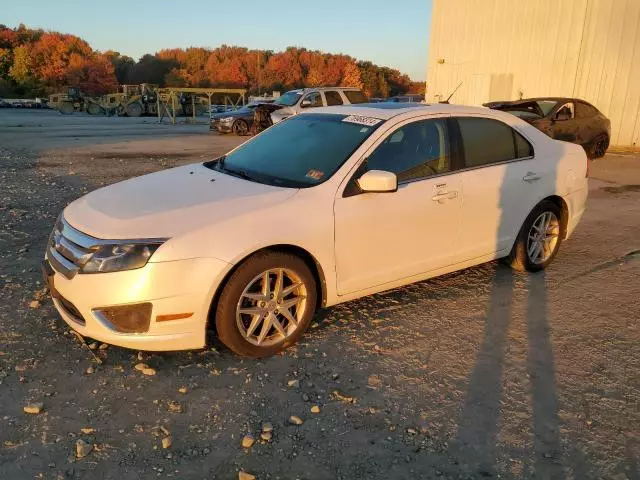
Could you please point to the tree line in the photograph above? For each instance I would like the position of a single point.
(37, 62)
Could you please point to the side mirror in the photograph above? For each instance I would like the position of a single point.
(305, 103)
(560, 116)
(378, 181)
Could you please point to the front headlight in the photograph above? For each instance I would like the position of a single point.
(119, 257)
(227, 119)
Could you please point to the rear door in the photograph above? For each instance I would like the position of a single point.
(501, 180)
(587, 123)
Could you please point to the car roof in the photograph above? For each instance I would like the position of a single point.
(385, 111)
(309, 89)
(538, 99)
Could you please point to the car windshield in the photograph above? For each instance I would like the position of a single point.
(546, 106)
(295, 153)
(288, 99)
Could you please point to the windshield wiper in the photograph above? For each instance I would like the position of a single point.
(215, 163)
(265, 179)
(239, 174)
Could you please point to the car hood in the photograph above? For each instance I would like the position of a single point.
(242, 112)
(169, 203)
(282, 113)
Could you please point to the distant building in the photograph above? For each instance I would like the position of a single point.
(510, 49)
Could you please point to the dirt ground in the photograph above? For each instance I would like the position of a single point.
(483, 373)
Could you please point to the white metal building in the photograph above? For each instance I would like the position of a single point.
(510, 49)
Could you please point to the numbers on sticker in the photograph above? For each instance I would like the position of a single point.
(362, 120)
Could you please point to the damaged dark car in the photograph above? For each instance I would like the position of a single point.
(569, 119)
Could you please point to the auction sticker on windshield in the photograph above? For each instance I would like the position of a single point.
(315, 174)
(361, 120)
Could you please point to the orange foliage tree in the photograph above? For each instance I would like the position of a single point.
(35, 61)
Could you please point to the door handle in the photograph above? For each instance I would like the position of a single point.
(440, 197)
(531, 177)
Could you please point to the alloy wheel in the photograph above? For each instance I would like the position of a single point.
(543, 237)
(271, 307)
(240, 128)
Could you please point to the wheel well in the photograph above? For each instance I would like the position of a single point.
(564, 209)
(309, 259)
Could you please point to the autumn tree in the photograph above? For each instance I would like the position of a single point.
(34, 60)
(93, 73)
(351, 76)
(22, 65)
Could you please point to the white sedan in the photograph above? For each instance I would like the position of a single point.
(325, 207)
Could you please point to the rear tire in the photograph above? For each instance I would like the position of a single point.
(245, 291)
(598, 147)
(94, 109)
(134, 109)
(525, 254)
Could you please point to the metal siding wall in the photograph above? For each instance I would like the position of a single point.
(609, 71)
(584, 48)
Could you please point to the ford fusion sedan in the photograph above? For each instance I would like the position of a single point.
(327, 206)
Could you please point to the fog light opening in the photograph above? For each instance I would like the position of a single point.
(126, 318)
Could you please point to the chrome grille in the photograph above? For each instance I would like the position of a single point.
(69, 249)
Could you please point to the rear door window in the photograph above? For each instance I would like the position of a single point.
(486, 141)
(332, 98)
(585, 111)
(355, 96)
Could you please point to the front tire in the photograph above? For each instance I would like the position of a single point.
(266, 305)
(539, 239)
(134, 109)
(240, 128)
(67, 108)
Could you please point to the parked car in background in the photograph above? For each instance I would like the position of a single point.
(331, 205)
(4, 104)
(222, 108)
(233, 121)
(296, 101)
(569, 119)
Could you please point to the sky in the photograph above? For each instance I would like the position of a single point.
(389, 33)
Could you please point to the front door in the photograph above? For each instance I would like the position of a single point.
(565, 124)
(386, 237)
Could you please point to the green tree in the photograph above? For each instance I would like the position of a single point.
(122, 65)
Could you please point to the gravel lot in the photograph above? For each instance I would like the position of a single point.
(482, 373)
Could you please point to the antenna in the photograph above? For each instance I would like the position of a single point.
(454, 91)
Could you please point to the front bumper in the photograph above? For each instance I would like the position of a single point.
(173, 288)
(222, 127)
